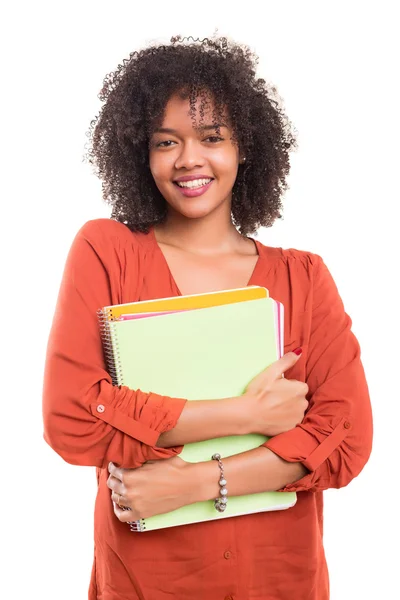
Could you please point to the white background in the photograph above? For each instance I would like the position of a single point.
(335, 65)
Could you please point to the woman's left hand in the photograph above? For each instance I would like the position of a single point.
(156, 487)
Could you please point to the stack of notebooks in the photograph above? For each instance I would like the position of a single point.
(199, 347)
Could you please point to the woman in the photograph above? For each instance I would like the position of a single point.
(193, 153)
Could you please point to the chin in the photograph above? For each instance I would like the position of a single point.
(195, 208)
(194, 212)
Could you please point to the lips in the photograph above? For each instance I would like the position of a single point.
(192, 177)
(193, 192)
(194, 183)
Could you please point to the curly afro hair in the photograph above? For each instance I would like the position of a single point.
(135, 96)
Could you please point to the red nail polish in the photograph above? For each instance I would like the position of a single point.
(298, 351)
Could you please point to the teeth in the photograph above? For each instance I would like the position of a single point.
(193, 184)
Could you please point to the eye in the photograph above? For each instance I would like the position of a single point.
(161, 144)
(167, 143)
(215, 138)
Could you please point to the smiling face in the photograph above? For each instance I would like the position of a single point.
(179, 151)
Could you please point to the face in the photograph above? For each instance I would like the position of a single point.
(194, 169)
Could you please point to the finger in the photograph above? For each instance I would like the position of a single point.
(115, 485)
(120, 500)
(115, 471)
(124, 515)
(278, 368)
(302, 388)
(305, 389)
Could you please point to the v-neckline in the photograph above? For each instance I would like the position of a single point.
(179, 293)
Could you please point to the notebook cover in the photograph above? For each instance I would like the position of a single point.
(202, 354)
(185, 302)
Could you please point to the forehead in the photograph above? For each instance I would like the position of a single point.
(177, 113)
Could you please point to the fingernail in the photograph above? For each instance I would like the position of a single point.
(298, 351)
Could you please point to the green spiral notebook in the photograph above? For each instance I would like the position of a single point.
(205, 353)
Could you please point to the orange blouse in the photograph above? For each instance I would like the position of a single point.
(267, 556)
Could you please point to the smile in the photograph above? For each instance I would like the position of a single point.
(194, 183)
(196, 187)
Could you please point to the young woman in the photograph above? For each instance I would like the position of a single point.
(193, 152)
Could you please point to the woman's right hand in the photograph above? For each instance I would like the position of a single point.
(277, 404)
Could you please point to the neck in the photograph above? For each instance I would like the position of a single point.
(211, 235)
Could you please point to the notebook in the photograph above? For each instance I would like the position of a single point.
(169, 353)
(160, 306)
(114, 312)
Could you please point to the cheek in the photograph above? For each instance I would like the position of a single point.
(158, 168)
(226, 168)
(226, 163)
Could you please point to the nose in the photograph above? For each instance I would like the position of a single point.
(190, 156)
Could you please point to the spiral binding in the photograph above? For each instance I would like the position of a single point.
(113, 362)
(110, 344)
(137, 525)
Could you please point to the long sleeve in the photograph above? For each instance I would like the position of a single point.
(88, 420)
(335, 437)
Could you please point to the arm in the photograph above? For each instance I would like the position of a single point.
(208, 419)
(333, 442)
(159, 487)
(334, 439)
(270, 405)
(87, 420)
(252, 472)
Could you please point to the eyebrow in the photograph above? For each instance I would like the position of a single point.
(202, 128)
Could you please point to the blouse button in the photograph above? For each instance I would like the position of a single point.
(228, 598)
(346, 425)
(227, 554)
(100, 408)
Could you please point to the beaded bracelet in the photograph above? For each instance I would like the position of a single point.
(220, 503)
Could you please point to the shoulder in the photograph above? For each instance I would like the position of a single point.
(304, 272)
(292, 258)
(109, 253)
(108, 232)
(301, 259)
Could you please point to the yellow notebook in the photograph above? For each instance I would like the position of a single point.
(112, 313)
